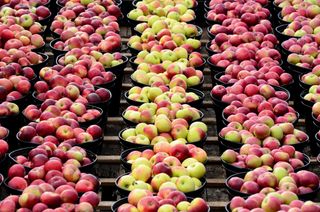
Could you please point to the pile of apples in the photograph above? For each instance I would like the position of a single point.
(164, 129)
(170, 166)
(50, 155)
(52, 185)
(277, 109)
(252, 156)
(27, 14)
(24, 57)
(282, 178)
(244, 90)
(98, 16)
(167, 199)
(81, 72)
(63, 107)
(299, 10)
(237, 26)
(312, 78)
(179, 12)
(57, 130)
(85, 54)
(250, 12)
(257, 57)
(32, 3)
(14, 69)
(173, 74)
(148, 112)
(276, 201)
(299, 28)
(163, 34)
(14, 88)
(262, 131)
(17, 37)
(8, 109)
(313, 94)
(223, 41)
(194, 59)
(86, 94)
(162, 95)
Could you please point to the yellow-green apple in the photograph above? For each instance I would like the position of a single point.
(126, 182)
(158, 180)
(140, 161)
(197, 170)
(136, 194)
(163, 124)
(142, 172)
(178, 171)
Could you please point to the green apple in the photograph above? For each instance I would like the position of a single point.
(188, 161)
(154, 92)
(178, 171)
(140, 161)
(200, 125)
(167, 208)
(126, 182)
(158, 180)
(163, 124)
(195, 135)
(142, 172)
(280, 172)
(135, 13)
(185, 184)
(197, 182)
(196, 169)
(183, 206)
(139, 128)
(128, 132)
(138, 184)
(142, 139)
(168, 185)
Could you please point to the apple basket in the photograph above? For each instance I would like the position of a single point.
(98, 121)
(94, 145)
(136, 83)
(89, 168)
(232, 192)
(280, 19)
(231, 169)
(56, 52)
(124, 163)
(209, 50)
(216, 80)
(235, 146)
(118, 203)
(197, 103)
(197, 193)
(133, 124)
(197, 37)
(226, 122)
(302, 84)
(12, 191)
(129, 145)
(284, 52)
(214, 68)
(210, 22)
(39, 66)
(279, 33)
(135, 65)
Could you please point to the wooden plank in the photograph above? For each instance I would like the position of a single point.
(214, 206)
(211, 183)
(115, 159)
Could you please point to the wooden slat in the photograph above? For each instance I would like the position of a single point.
(211, 183)
(214, 206)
